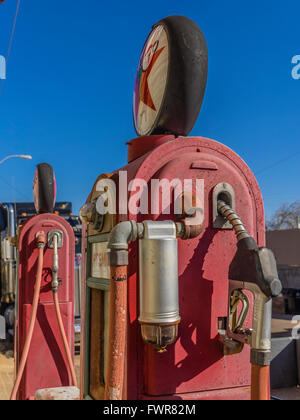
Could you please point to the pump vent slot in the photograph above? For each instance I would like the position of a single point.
(204, 165)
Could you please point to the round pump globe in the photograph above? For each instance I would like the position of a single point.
(171, 78)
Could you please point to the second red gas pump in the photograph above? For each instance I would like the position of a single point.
(44, 329)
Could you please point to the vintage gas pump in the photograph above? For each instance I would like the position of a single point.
(45, 297)
(160, 250)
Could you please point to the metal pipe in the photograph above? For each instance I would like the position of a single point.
(55, 264)
(117, 334)
(119, 238)
(122, 234)
(260, 383)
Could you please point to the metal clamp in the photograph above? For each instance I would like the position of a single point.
(60, 240)
(55, 241)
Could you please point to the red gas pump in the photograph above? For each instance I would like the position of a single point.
(176, 282)
(44, 326)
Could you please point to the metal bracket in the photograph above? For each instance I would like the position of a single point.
(225, 192)
(60, 241)
(230, 346)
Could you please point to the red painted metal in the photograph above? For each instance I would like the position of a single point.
(46, 365)
(142, 145)
(229, 394)
(194, 367)
(195, 363)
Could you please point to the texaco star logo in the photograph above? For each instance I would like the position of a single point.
(150, 81)
(149, 60)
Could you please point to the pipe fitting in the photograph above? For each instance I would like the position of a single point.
(186, 231)
(121, 235)
(260, 357)
(191, 231)
(54, 285)
(41, 239)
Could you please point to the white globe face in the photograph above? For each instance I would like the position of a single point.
(151, 80)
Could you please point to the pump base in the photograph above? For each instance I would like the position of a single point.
(69, 393)
(235, 394)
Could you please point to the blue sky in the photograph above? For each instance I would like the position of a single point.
(68, 95)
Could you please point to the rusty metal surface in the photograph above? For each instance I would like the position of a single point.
(69, 393)
(117, 333)
(195, 363)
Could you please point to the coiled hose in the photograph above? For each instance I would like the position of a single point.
(228, 214)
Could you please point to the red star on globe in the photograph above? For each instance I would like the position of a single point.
(144, 90)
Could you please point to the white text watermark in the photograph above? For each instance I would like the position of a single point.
(155, 197)
(2, 68)
(296, 67)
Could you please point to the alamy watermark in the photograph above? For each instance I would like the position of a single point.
(2, 68)
(154, 197)
(296, 67)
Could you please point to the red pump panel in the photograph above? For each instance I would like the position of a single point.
(46, 366)
(195, 364)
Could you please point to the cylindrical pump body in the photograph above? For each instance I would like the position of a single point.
(158, 272)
